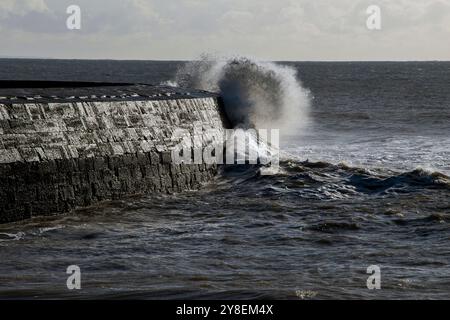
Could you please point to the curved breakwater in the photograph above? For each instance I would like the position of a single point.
(366, 183)
(84, 145)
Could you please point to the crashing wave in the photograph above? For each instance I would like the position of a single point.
(255, 94)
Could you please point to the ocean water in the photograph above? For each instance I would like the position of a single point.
(365, 182)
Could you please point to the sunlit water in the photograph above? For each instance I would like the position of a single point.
(374, 191)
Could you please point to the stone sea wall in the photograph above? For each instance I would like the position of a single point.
(57, 156)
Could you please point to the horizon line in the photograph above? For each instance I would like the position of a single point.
(187, 60)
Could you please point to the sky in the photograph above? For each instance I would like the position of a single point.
(296, 30)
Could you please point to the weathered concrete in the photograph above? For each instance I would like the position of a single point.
(73, 147)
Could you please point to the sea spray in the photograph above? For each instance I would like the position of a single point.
(255, 94)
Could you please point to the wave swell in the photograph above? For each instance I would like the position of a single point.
(324, 180)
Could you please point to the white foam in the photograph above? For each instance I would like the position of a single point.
(256, 94)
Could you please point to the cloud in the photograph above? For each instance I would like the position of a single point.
(272, 29)
(21, 7)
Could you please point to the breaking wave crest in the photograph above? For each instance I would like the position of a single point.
(328, 181)
(255, 94)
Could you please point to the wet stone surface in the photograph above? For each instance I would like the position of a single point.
(56, 156)
(61, 91)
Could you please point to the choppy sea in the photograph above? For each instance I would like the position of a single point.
(366, 182)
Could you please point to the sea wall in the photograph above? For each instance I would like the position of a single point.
(57, 156)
